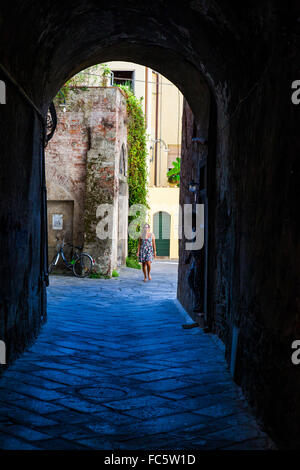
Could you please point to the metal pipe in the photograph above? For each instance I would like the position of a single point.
(146, 97)
(156, 128)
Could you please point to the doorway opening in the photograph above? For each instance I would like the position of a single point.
(91, 120)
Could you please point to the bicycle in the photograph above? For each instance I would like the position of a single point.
(81, 263)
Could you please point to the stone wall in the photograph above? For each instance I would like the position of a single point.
(83, 167)
(22, 286)
(194, 153)
(252, 280)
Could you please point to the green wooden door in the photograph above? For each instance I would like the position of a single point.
(161, 228)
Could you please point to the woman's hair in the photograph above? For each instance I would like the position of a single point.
(145, 226)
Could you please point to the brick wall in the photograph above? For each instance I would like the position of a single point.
(82, 165)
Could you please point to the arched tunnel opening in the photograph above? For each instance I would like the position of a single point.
(235, 66)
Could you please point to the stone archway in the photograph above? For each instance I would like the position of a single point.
(254, 144)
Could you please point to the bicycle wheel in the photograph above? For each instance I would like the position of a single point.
(83, 265)
(52, 264)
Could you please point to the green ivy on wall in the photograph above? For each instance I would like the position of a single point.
(62, 95)
(137, 157)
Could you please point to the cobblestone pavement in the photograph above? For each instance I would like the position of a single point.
(114, 369)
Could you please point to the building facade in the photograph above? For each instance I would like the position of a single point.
(163, 104)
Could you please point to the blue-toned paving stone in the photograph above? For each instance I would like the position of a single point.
(114, 369)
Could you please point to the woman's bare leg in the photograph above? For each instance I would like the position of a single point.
(149, 269)
(144, 271)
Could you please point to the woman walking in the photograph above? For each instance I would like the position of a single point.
(146, 251)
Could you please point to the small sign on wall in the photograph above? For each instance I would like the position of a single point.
(57, 221)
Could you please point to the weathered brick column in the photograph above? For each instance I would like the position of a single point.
(102, 181)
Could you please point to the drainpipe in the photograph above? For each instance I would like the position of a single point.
(146, 97)
(156, 129)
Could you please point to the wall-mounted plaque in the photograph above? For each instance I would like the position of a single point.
(57, 221)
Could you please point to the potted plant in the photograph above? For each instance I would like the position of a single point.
(105, 74)
(174, 173)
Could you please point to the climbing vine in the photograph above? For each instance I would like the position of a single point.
(63, 93)
(137, 157)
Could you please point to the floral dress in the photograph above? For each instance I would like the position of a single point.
(146, 250)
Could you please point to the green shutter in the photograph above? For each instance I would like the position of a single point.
(161, 228)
